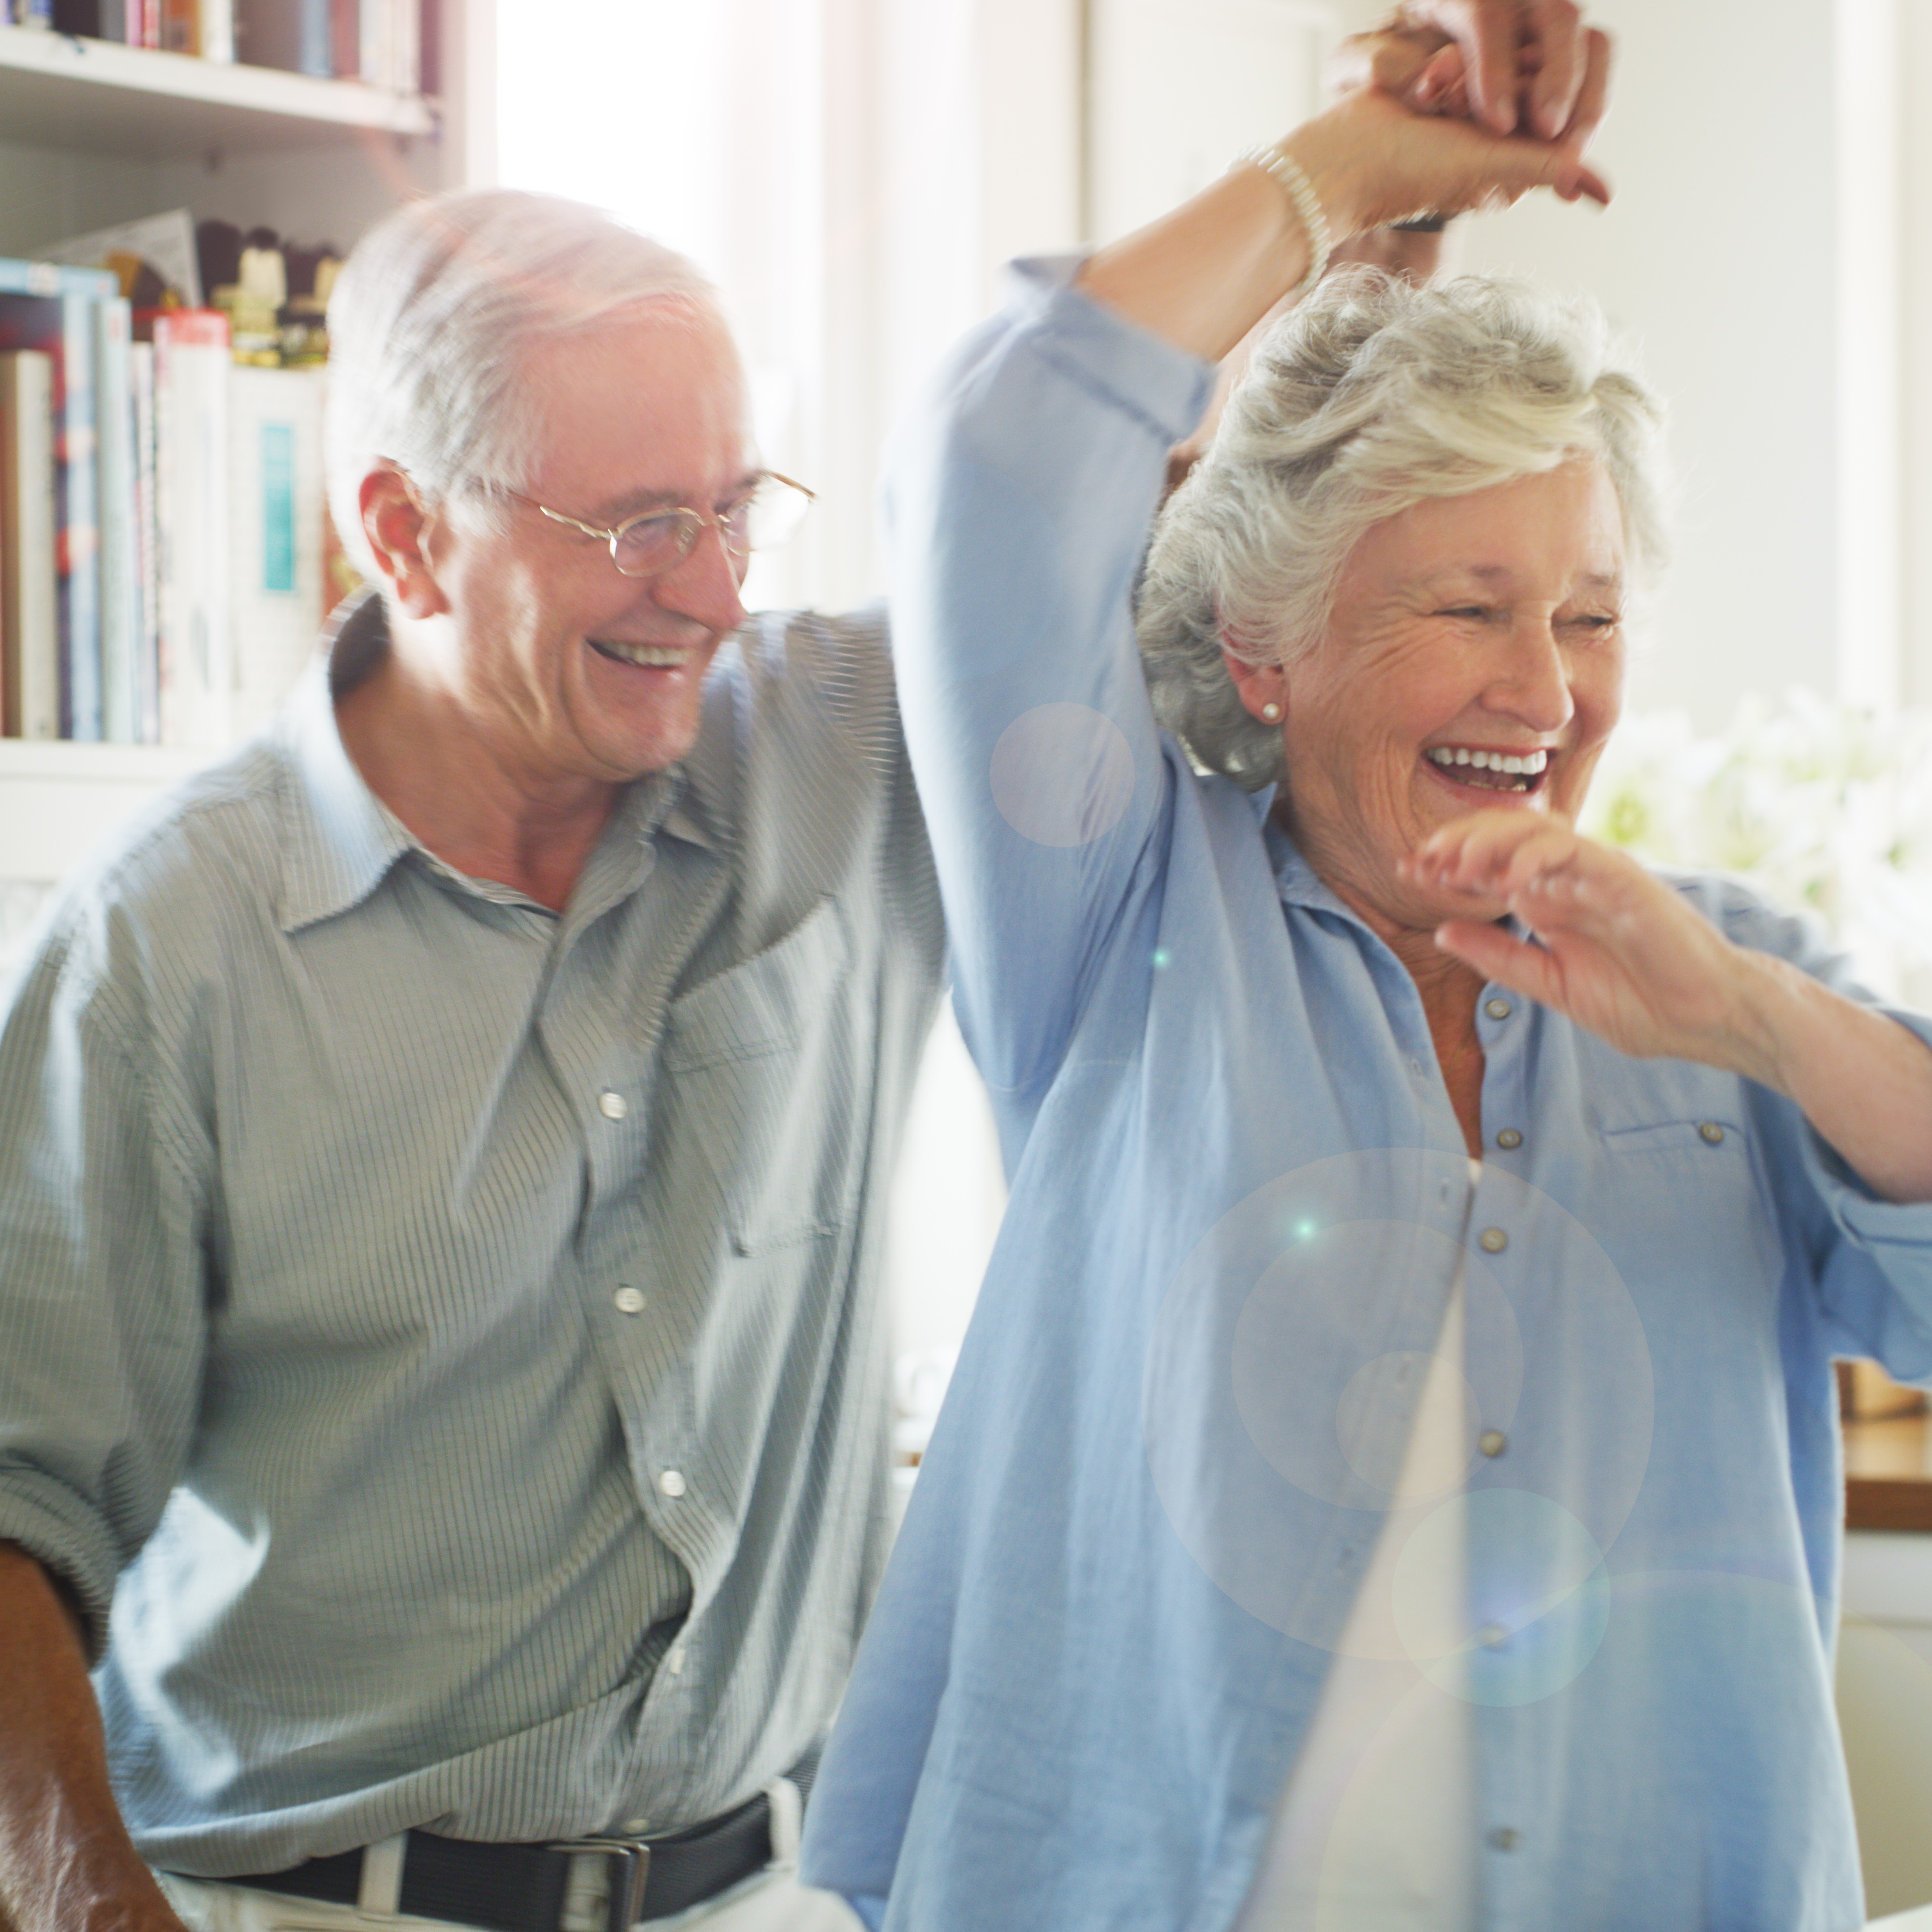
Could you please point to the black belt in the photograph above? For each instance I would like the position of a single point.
(520, 1888)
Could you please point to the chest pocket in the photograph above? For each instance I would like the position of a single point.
(1683, 1201)
(763, 1061)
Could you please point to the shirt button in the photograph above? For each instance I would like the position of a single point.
(1509, 1139)
(1497, 1009)
(1494, 1240)
(1491, 1637)
(636, 1827)
(628, 1301)
(1505, 1838)
(1710, 1131)
(674, 1660)
(672, 1482)
(613, 1106)
(1492, 1442)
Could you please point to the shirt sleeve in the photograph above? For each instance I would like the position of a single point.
(1019, 498)
(1871, 1258)
(102, 1277)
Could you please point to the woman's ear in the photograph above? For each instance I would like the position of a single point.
(1262, 688)
(398, 527)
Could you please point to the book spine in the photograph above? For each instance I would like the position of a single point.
(29, 623)
(275, 507)
(120, 567)
(375, 38)
(180, 27)
(79, 542)
(148, 657)
(345, 36)
(316, 54)
(215, 35)
(197, 665)
(408, 76)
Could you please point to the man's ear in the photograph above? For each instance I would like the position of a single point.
(1262, 688)
(398, 528)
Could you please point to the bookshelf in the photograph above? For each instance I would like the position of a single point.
(131, 102)
(93, 133)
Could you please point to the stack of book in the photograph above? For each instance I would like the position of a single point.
(378, 41)
(162, 525)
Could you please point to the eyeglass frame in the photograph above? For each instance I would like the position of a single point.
(696, 521)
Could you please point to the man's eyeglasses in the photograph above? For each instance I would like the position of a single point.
(648, 545)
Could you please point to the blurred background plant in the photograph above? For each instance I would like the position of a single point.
(1822, 807)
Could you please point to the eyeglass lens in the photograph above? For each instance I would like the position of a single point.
(761, 519)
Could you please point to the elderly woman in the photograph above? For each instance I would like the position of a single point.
(1391, 1480)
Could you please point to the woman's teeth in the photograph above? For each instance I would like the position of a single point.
(647, 657)
(1499, 771)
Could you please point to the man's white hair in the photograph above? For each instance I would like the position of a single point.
(1367, 398)
(433, 317)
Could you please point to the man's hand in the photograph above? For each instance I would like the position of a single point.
(66, 1863)
(1530, 65)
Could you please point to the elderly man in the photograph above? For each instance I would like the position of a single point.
(442, 1381)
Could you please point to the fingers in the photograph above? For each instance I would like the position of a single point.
(1532, 67)
(1441, 87)
(1556, 47)
(1498, 954)
(1489, 34)
(1593, 96)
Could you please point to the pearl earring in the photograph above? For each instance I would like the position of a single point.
(1271, 712)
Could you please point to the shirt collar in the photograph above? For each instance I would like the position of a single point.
(340, 841)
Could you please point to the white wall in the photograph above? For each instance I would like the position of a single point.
(1716, 256)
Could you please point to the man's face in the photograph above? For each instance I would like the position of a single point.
(572, 671)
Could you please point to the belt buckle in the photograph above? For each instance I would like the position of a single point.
(630, 1863)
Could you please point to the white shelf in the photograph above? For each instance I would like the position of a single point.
(132, 102)
(58, 800)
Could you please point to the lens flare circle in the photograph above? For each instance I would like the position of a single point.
(1284, 1374)
(1062, 774)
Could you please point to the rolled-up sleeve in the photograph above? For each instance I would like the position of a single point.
(102, 1272)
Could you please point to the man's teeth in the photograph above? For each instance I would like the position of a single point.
(1530, 764)
(647, 657)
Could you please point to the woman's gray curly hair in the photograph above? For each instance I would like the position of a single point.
(1368, 398)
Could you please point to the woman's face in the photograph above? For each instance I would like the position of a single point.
(1474, 658)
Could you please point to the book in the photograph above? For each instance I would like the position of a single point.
(196, 680)
(94, 19)
(29, 632)
(275, 497)
(297, 34)
(148, 654)
(214, 30)
(345, 32)
(43, 306)
(120, 567)
(180, 27)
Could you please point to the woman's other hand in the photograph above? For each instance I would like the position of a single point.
(1624, 956)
